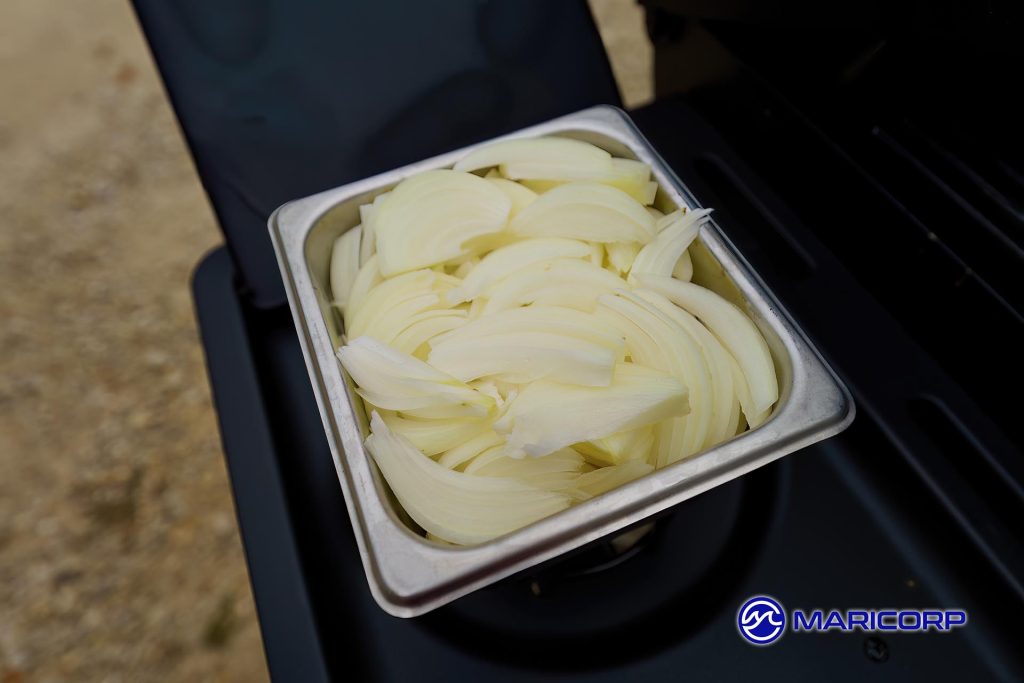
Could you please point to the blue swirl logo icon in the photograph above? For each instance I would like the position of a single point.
(761, 620)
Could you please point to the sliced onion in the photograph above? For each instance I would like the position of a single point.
(736, 332)
(683, 270)
(390, 379)
(622, 254)
(434, 436)
(546, 416)
(632, 177)
(585, 211)
(654, 339)
(633, 444)
(520, 357)
(502, 262)
(717, 360)
(538, 318)
(427, 218)
(387, 307)
(556, 471)
(456, 507)
(545, 157)
(607, 478)
(660, 256)
(366, 279)
(463, 453)
(520, 195)
(563, 282)
(344, 265)
(424, 327)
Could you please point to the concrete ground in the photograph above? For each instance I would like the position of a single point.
(119, 553)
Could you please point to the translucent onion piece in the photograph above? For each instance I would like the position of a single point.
(632, 177)
(427, 218)
(425, 326)
(605, 479)
(719, 363)
(622, 254)
(526, 356)
(367, 278)
(655, 214)
(368, 244)
(434, 436)
(660, 256)
(506, 260)
(556, 471)
(564, 282)
(344, 265)
(453, 506)
(547, 416)
(520, 196)
(586, 211)
(546, 157)
(683, 270)
(464, 268)
(618, 448)
(597, 254)
(390, 379)
(654, 339)
(539, 318)
(389, 304)
(470, 449)
(736, 332)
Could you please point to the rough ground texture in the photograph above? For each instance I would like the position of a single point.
(119, 554)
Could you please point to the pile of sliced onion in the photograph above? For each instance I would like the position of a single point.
(524, 334)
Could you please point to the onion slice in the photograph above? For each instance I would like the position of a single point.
(390, 379)
(586, 211)
(660, 256)
(504, 261)
(456, 507)
(545, 157)
(546, 416)
(736, 332)
(344, 265)
(427, 218)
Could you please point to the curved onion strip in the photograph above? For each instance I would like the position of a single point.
(470, 449)
(586, 211)
(563, 282)
(681, 357)
(607, 478)
(427, 218)
(390, 293)
(683, 270)
(434, 436)
(344, 265)
(736, 332)
(520, 196)
(539, 318)
(520, 357)
(619, 447)
(632, 177)
(660, 256)
(454, 506)
(717, 360)
(556, 471)
(545, 157)
(505, 261)
(621, 255)
(427, 326)
(368, 244)
(394, 380)
(547, 416)
(367, 278)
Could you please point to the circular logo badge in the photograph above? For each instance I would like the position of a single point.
(761, 620)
